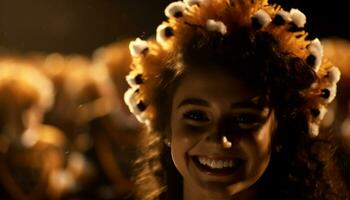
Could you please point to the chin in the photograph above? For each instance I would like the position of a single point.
(224, 191)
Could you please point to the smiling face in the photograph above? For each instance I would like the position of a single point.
(220, 136)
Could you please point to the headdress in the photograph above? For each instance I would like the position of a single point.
(224, 17)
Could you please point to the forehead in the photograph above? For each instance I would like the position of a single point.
(214, 83)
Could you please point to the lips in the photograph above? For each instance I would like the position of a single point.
(219, 166)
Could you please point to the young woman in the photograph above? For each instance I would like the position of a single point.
(232, 94)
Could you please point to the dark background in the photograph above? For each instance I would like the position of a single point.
(81, 26)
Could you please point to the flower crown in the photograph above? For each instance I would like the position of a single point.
(223, 17)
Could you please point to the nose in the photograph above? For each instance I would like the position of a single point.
(224, 133)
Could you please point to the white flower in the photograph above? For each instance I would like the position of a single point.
(298, 18)
(142, 118)
(315, 48)
(174, 9)
(218, 26)
(129, 98)
(162, 36)
(323, 111)
(137, 47)
(285, 15)
(263, 18)
(314, 125)
(314, 129)
(329, 93)
(316, 44)
(190, 3)
(334, 75)
(131, 79)
(333, 92)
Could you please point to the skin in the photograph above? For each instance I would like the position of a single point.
(207, 106)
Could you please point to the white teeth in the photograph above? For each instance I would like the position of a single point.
(220, 164)
(212, 164)
(202, 160)
(225, 163)
(216, 164)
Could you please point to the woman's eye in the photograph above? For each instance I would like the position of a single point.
(198, 116)
(248, 121)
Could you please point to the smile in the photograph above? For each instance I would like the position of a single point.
(216, 163)
(218, 166)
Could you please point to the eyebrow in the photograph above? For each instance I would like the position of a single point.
(193, 101)
(248, 104)
(243, 104)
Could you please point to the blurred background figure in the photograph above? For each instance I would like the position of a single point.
(30, 152)
(338, 118)
(338, 51)
(88, 109)
(65, 132)
(116, 147)
(77, 102)
(115, 59)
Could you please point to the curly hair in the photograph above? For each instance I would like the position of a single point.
(275, 61)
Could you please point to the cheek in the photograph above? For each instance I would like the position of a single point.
(179, 146)
(257, 147)
(183, 135)
(263, 140)
(182, 141)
